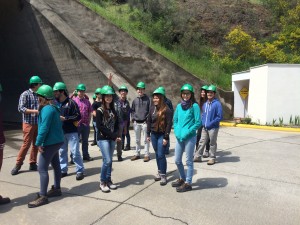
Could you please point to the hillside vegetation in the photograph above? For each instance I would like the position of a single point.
(211, 38)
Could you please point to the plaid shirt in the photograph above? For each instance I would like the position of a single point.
(85, 109)
(28, 100)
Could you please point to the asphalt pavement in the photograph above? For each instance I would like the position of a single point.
(256, 180)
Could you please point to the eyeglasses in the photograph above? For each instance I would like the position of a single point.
(186, 93)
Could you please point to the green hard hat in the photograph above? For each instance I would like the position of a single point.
(45, 91)
(80, 87)
(98, 91)
(107, 90)
(59, 86)
(212, 88)
(75, 93)
(35, 80)
(162, 88)
(141, 85)
(123, 87)
(159, 91)
(187, 87)
(204, 87)
(94, 96)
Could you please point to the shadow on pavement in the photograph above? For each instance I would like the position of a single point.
(208, 183)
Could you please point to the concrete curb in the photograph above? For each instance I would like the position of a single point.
(287, 129)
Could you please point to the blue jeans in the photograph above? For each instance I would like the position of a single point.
(188, 146)
(159, 148)
(107, 148)
(71, 139)
(50, 155)
(84, 131)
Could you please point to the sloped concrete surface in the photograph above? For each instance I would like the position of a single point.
(256, 180)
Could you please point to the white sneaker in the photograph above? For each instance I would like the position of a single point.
(104, 187)
(111, 185)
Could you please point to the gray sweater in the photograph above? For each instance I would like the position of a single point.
(140, 109)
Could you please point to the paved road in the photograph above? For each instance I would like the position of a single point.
(256, 181)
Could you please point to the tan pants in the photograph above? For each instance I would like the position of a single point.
(29, 137)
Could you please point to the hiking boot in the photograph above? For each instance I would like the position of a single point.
(163, 181)
(127, 148)
(197, 159)
(111, 185)
(33, 167)
(88, 158)
(64, 175)
(177, 183)
(135, 157)
(157, 177)
(79, 176)
(4, 200)
(212, 161)
(104, 188)
(183, 188)
(120, 158)
(94, 143)
(146, 158)
(54, 192)
(15, 170)
(39, 201)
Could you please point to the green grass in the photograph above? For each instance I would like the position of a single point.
(203, 68)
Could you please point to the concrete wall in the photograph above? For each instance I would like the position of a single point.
(274, 92)
(283, 92)
(240, 81)
(64, 41)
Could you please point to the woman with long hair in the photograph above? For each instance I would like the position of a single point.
(187, 120)
(107, 125)
(159, 124)
(49, 139)
(202, 100)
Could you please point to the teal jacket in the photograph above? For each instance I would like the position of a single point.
(186, 122)
(49, 127)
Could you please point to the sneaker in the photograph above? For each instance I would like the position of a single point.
(157, 177)
(111, 185)
(177, 183)
(120, 158)
(212, 161)
(15, 170)
(135, 157)
(39, 201)
(88, 158)
(197, 159)
(163, 181)
(104, 188)
(79, 176)
(54, 192)
(146, 158)
(205, 155)
(127, 148)
(33, 167)
(4, 200)
(64, 175)
(183, 188)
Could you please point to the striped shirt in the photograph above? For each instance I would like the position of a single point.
(28, 100)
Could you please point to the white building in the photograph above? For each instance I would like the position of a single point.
(273, 93)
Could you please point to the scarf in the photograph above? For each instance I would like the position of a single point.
(185, 104)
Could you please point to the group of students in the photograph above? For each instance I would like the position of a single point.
(58, 123)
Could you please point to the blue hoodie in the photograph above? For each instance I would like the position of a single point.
(212, 114)
(186, 122)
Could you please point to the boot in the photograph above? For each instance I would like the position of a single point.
(163, 180)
